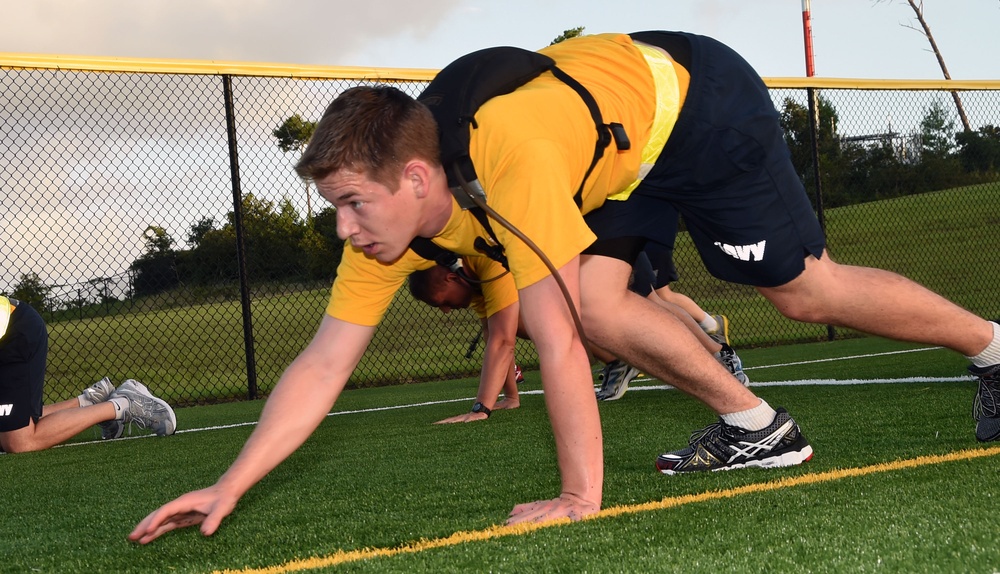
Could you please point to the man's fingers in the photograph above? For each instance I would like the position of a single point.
(146, 533)
(544, 510)
(466, 418)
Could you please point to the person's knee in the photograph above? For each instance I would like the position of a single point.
(15, 442)
(603, 285)
(808, 297)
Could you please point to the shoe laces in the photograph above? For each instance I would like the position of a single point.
(707, 434)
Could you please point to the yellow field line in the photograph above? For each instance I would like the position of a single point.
(462, 537)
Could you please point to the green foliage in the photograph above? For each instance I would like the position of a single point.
(870, 168)
(936, 132)
(294, 133)
(280, 246)
(158, 241)
(199, 229)
(32, 290)
(980, 150)
(567, 34)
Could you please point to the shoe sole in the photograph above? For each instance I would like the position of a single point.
(789, 458)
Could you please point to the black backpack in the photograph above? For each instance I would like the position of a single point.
(454, 97)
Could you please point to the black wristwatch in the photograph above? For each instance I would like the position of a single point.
(479, 408)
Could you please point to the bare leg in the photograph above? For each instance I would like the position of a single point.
(52, 429)
(682, 301)
(634, 329)
(880, 303)
(710, 344)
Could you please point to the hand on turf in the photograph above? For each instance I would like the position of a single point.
(506, 403)
(206, 507)
(463, 418)
(566, 506)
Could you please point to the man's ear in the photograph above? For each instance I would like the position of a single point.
(417, 174)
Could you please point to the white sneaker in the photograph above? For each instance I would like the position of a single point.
(99, 391)
(146, 410)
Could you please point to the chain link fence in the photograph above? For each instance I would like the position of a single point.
(153, 217)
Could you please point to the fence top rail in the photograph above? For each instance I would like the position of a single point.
(12, 60)
(872, 84)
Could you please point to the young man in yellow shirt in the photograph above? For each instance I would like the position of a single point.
(705, 143)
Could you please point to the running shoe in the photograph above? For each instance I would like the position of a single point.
(731, 361)
(99, 391)
(518, 375)
(986, 405)
(721, 332)
(721, 446)
(615, 379)
(111, 429)
(145, 410)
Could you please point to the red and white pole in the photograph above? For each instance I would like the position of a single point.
(807, 32)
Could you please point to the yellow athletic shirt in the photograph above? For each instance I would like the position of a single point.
(497, 294)
(531, 151)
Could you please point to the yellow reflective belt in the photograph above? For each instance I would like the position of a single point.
(667, 109)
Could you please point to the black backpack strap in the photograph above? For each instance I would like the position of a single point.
(456, 94)
(605, 132)
(495, 251)
(433, 252)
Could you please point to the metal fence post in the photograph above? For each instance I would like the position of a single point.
(234, 169)
(814, 134)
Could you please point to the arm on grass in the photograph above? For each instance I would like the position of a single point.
(569, 399)
(301, 400)
(500, 332)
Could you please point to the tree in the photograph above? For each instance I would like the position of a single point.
(293, 136)
(936, 132)
(158, 241)
(567, 34)
(795, 122)
(925, 29)
(33, 291)
(198, 231)
(155, 270)
(980, 150)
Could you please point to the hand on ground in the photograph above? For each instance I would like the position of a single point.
(464, 418)
(206, 507)
(566, 506)
(506, 403)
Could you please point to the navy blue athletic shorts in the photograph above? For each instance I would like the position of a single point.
(23, 351)
(726, 170)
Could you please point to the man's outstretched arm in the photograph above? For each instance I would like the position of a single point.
(569, 399)
(301, 400)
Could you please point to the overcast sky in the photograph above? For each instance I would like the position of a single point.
(853, 38)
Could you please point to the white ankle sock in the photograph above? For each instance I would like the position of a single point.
(709, 324)
(991, 354)
(752, 419)
(121, 405)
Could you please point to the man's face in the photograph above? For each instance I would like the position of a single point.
(451, 292)
(375, 219)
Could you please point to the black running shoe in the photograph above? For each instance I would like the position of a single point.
(721, 446)
(986, 406)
